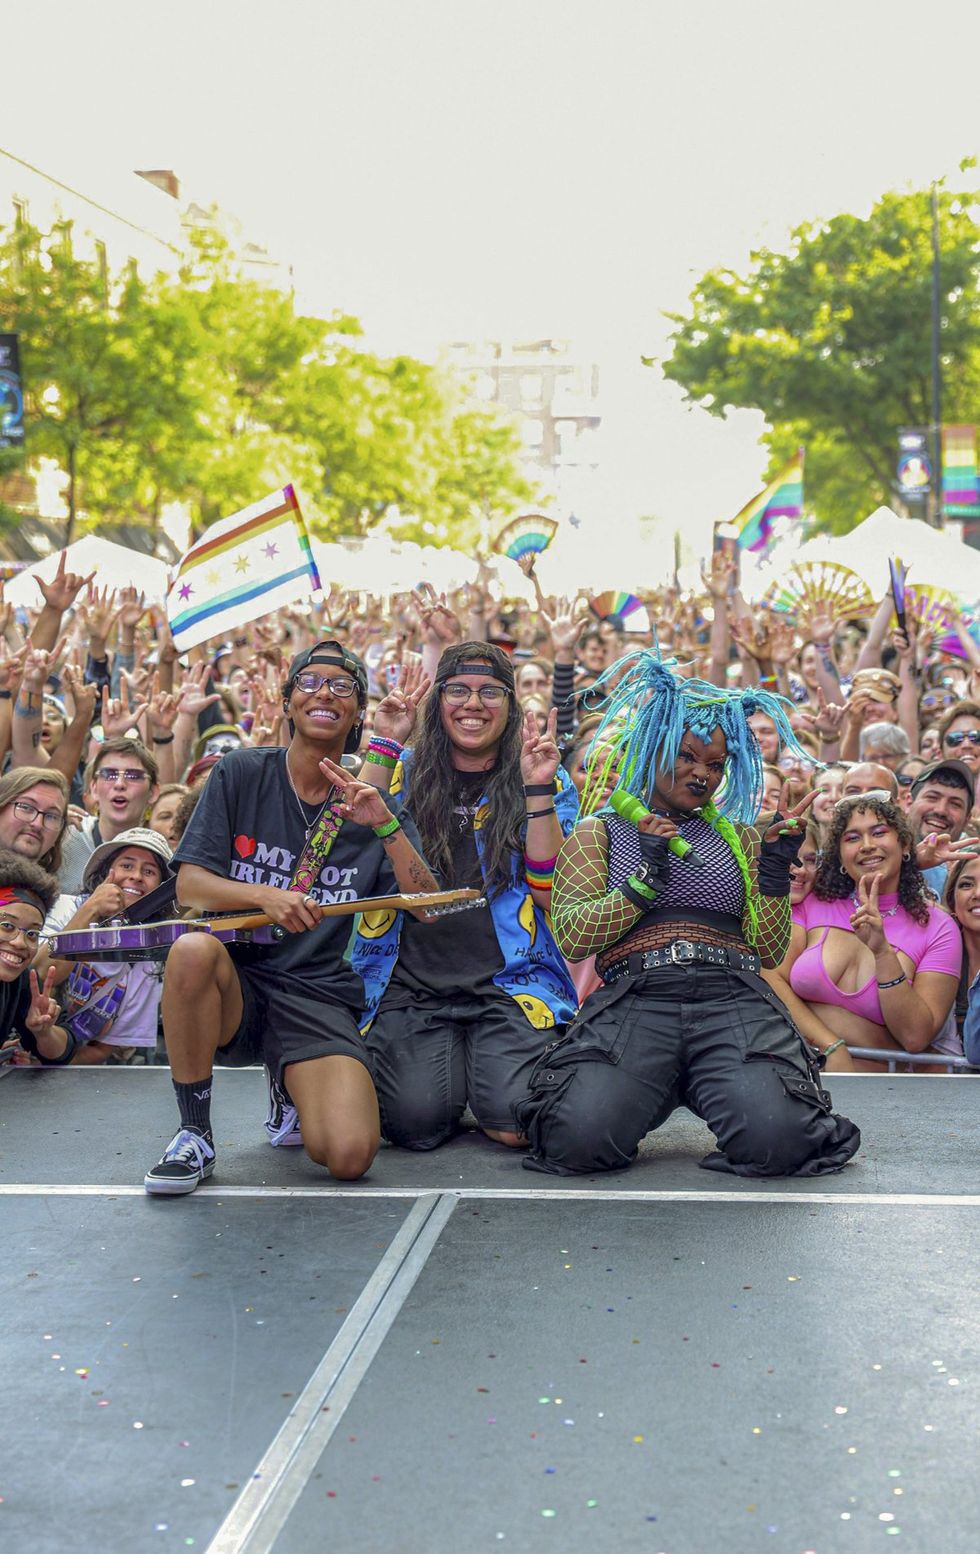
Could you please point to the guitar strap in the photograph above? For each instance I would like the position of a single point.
(317, 849)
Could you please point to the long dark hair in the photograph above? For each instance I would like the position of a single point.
(431, 795)
(833, 885)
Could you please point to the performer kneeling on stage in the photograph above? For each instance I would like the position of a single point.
(261, 837)
(684, 1017)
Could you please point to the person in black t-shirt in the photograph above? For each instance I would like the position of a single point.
(28, 1013)
(284, 832)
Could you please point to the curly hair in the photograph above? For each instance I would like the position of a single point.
(431, 795)
(24, 874)
(831, 884)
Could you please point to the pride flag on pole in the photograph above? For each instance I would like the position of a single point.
(782, 498)
(961, 493)
(242, 567)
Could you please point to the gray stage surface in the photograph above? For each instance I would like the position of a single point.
(460, 1353)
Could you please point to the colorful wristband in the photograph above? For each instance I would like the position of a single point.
(377, 758)
(539, 872)
(388, 829)
(385, 746)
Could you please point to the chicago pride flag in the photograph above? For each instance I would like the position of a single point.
(782, 498)
(240, 568)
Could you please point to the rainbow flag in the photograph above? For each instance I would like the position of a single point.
(242, 567)
(961, 493)
(782, 498)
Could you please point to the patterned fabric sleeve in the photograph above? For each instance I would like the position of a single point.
(775, 922)
(585, 918)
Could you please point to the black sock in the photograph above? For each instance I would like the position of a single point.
(194, 1105)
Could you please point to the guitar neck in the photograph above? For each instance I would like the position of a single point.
(365, 904)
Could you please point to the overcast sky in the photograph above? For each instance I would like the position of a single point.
(448, 169)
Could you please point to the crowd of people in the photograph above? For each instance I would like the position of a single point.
(803, 848)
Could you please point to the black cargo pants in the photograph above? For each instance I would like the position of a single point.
(706, 1037)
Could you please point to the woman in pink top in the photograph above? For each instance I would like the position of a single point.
(874, 963)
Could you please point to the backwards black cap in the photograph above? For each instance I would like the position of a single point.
(330, 652)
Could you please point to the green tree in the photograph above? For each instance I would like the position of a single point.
(831, 340)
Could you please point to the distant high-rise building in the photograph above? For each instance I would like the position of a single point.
(554, 396)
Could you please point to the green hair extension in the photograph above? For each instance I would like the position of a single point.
(723, 827)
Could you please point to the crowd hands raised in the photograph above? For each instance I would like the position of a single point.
(106, 733)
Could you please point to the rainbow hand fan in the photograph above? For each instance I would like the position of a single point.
(929, 605)
(631, 610)
(815, 587)
(528, 535)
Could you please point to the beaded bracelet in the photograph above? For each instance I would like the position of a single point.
(385, 746)
(840, 1042)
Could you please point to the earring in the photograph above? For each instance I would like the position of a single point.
(842, 870)
(906, 857)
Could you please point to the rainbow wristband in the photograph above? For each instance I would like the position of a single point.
(540, 872)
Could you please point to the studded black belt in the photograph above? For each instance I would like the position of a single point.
(683, 952)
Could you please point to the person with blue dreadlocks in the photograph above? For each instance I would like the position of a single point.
(681, 901)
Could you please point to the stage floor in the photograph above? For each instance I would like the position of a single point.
(460, 1353)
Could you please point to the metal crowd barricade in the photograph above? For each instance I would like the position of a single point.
(945, 1062)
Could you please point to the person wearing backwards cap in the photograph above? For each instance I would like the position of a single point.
(110, 1008)
(462, 1012)
(942, 801)
(282, 832)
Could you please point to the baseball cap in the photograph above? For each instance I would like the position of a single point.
(136, 836)
(948, 767)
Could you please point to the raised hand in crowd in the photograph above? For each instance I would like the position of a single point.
(118, 717)
(79, 693)
(62, 591)
(540, 756)
(565, 628)
(193, 697)
(395, 714)
(12, 669)
(98, 615)
(719, 579)
(440, 624)
(939, 847)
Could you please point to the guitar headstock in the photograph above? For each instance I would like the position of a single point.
(447, 908)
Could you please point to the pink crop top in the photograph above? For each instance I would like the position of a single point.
(932, 946)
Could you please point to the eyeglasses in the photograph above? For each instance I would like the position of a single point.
(30, 812)
(309, 683)
(954, 740)
(490, 695)
(112, 774)
(10, 930)
(904, 780)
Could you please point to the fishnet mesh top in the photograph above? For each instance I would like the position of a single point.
(588, 916)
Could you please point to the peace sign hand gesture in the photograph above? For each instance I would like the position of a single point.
(866, 922)
(361, 802)
(394, 716)
(539, 752)
(42, 1015)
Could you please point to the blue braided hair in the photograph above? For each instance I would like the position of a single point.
(648, 709)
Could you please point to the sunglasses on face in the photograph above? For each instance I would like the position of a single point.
(933, 699)
(112, 774)
(904, 780)
(972, 735)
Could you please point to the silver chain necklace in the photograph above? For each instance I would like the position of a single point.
(883, 911)
(308, 825)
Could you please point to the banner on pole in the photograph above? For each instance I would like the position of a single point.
(961, 491)
(914, 466)
(11, 394)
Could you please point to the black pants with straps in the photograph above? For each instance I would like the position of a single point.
(706, 1037)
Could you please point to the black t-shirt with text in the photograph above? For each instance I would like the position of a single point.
(459, 953)
(247, 826)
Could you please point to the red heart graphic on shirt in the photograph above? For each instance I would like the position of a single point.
(244, 846)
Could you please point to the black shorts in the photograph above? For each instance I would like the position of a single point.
(282, 1024)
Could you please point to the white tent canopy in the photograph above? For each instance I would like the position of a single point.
(114, 567)
(930, 555)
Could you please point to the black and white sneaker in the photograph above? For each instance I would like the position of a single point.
(282, 1123)
(187, 1160)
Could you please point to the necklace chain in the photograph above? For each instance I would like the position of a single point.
(308, 825)
(884, 911)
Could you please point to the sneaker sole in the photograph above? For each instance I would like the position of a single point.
(169, 1187)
